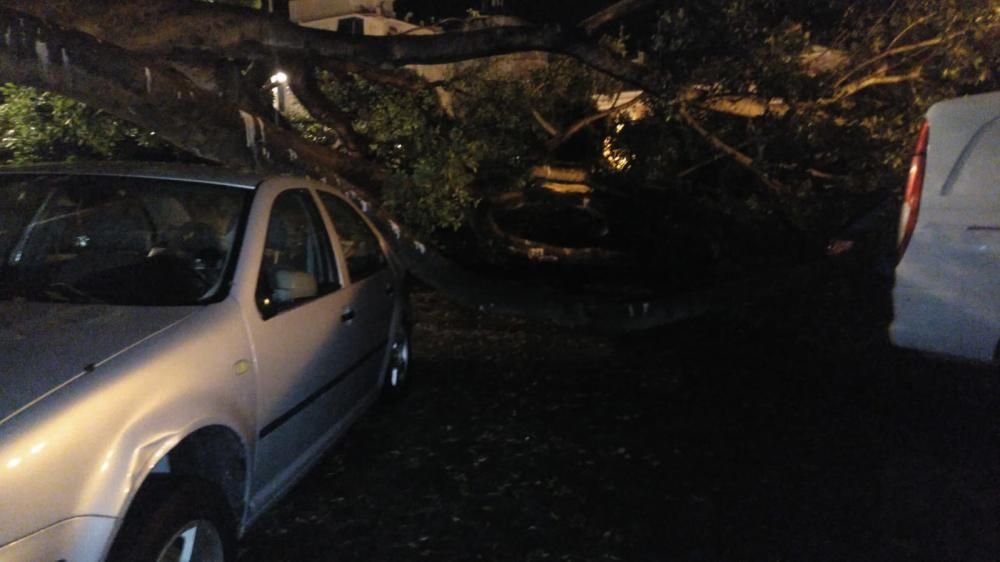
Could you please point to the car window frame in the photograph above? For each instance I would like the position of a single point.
(339, 268)
(223, 287)
(382, 246)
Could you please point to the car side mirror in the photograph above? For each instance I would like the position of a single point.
(290, 286)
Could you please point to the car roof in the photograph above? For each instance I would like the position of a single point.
(198, 173)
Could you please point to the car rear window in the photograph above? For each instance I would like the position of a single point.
(978, 170)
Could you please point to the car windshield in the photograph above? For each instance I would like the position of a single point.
(116, 240)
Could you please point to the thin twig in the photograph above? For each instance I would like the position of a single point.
(874, 80)
(737, 156)
(579, 125)
(700, 165)
(885, 15)
(820, 174)
(907, 30)
(546, 124)
(613, 12)
(897, 51)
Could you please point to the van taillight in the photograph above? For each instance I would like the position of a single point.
(911, 197)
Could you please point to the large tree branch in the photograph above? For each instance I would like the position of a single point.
(533, 250)
(400, 78)
(400, 50)
(306, 88)
(142, 91)
(133, 88)
(749, 106)
(121, 76)
(487, 293)
(161, 26)
(158, 98)
(613, 13)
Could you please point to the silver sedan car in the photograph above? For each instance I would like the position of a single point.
(177, 347)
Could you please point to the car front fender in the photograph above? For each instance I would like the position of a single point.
(85, 449)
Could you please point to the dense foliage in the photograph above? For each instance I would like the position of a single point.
(431, 164)
(776, 121)
(448, 148)
(808, 54)
(848, 82)
(40, 126)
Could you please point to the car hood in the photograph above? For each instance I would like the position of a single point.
(43, 345)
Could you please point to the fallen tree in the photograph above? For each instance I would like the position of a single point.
(130, 75)
(189, 71)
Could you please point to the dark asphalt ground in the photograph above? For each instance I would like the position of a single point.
(784, 431)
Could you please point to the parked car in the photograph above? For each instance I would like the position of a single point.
(177, 347)
(947, 292)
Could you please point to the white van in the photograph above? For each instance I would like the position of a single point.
(947, 293)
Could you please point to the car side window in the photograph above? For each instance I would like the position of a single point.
(298, 262)
(360, 245)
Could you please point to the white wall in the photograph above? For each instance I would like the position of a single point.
(301, 11)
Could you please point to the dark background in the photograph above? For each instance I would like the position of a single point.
(784, 430)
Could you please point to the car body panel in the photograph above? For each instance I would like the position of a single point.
(87, 444)
(110, 427)
(149, 170)
(947, 293)
(299, 352)
(955, 125)
(77, 538)
(44, 345)
(301, 406)
(372, 299)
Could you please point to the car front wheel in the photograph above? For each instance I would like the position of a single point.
(176, 520)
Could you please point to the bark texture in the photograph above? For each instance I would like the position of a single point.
(166, 27)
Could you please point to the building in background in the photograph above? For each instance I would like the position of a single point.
(363, 17)
(355, 17)
(378, 18)
(305, 11)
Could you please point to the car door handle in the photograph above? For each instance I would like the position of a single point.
(389, 289)
(347, 315)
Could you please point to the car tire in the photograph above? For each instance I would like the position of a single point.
(394, 382)
(178, 520)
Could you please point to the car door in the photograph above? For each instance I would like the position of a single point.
(371, 286)
(302, 345)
